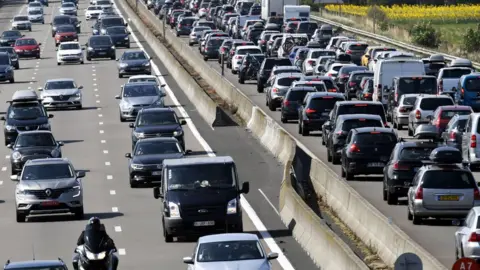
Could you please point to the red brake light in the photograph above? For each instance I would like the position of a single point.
(361, 105)
(327, 97)
(286, 102)
(419, 194)
(473, 141)
(418, 115)
(452, 135)
(332, 90)
(474, 237)
(348, 52)
(375, 132)
(362, 119)
(339, 132)
(367, 94)
(311, 62)
(308, 111)
(402, 109)
(476, 194)
(398, 167)
(352, 84)
(354, 148)
(436, 122)
(275, 90)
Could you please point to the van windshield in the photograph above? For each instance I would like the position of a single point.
(445, 179)
(417, 86)
(472, 85)
(216, 176)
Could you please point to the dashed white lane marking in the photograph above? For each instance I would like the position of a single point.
(98, 101)
(105, 151)
(113, 192)
(4, 169)
(100, 123)
(29, 87)
(122, 252)
(103, 141)
(94, 79)
(107, 163)
(34, 73)
(7, 157)
(36, 69)
(118, 228)
(101, 131)
(100, 115)
(33, 78)
(1, 183)
(115, 209)
(38, 63)
(97, 95)
(96, 89)
(109, 177)
(94, 74)
(94, 84)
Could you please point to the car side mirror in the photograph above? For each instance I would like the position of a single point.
(83, 49)
(245, 188)
(163, 85)
(156, 193)
(117, 59)
(80, 87)
(40, 89)
(80, 174)
(430, 117)
(188, 260)
(128, 155)
(163, 94)
(14, 177)
(56, 49)
(183, 122)
(50, 116)
(151, 58)
(3, 118)
(93, 26)
(131, 125)
(23, 35)
(9, 146)
(188, 152)
(61, 143)
(39, 44)
(117, 97)
(272, 256)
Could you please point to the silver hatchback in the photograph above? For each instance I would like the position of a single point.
(277, 87)
(402, 111)
(196, 34)
(61, 93)
(423, 109)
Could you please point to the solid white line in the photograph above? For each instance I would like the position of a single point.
(282, 260)
(115, 209)
(118, 228)
(105, 151)
(113, 192)
(4, 169)
(109, 177)
(122, 252)
(107, 163)
(103, 141)
(101, 131)
(269, 202)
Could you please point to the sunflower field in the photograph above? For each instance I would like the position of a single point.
(416, 12)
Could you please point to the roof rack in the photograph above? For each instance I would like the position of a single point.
(24, 96)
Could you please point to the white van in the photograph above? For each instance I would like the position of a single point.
(298, 12)
(299, 39)
(387, 69)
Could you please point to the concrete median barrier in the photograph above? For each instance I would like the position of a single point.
(326, 249)
(355, 211)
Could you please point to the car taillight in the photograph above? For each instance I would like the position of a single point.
(402, 109)
(311, 62)
(348, 52)
(352, 84)
(309, 111)
(419, 194)
(222, 50)
(329, 75)
(354, 148)
(474, 237)
(232, 53)
(179, 25)
(367, 94)
(286, 102)
(476, 194)
(343, 76)
(398, 167)
(332, 90)
(262, 41)
(436, 122)
(473, 141)
(453, 135)
(206, 49)
(396, 97)
(275, 90)
(418, 115)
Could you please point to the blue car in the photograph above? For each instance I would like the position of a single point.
(294, 53)
(469, 86)
(36, 264)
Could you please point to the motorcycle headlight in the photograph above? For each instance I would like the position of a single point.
(45, 126)
(139, 135)
(232, 206)
(75, 189)
(9, 128)
(136, 166)
(16, 155)
(55, 153)
(178, 133)
(174, 210)
(95, 257)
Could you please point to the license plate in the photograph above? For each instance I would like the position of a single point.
(157, 173)
(135, 68)
(448, 198)
(50, 203)
(102, 53)
(204, 223)
(325, 114)
(375, 164)
(27, 52)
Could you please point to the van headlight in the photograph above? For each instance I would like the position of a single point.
(16, 155)
(232, 206)
(95, 257)
(174, 210)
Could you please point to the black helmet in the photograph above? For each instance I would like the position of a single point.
(95, 222)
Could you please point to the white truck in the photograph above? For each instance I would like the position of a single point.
(275, 7)
(296, 12)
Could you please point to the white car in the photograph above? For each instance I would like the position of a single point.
(93, 12)
(70, 52)
(104, 4)
(36, 15)
(335, 67)
(21, 22)
(240, 52)
(61, 93)
(68, 9)
(35, 6)
(144, 78)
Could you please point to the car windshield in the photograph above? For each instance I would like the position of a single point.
(431, 104)
(448, 179)
(375, 138)
(95, 8)
(201, 29)
(250, 51)
(34, 12)
(66, 29)
(199, 176)
(362, 108)
(20, 18)
(359, 123)
(61, 20)
(154, 119)
(229, 251)
(55, 85)
(348, 69)
(415, 153)
(35, 4)
(23, 42)
(449, 114)
(100, 41)
(11, 34)
(112, 22)
(409, 101)
(215, 42)
(297, 95)
(317, 54)
(8, 50)
(287, 81)
(69, 46)
(25, 112)
(320, 87)
(68, 5)
(47, 172)
(102, 3)
(270, 63)
(134, 56)
(140, 90)
(37, 139)
(155, 148)
(359, 76)
(117, 30)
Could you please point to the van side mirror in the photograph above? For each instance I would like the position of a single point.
(245, 188)
(80, 87)
(272, 256)
(117, 97)
(128, 155)
(156, 193)
(188, 152)
(40, 44)
(14, 177)
(9, 146)
(60, 143)
(3, 118)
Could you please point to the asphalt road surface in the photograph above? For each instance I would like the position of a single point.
(96, 142)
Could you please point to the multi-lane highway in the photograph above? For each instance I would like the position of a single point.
(96, 142)
(435, 237)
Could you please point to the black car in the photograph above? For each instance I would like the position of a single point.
(59, 20)
(120, 36)
(100, 47)
(367, 151)
(76, 23)
(33, 145)
(145, 162)
(344, 75)
(293, 100)
(212, 46)
(345, 123)
(315, 110)
(353, 82)
(109, 22)
(266, 69)
(134, 62)
(6, 68)
(184, 26)
(13, 56)
(25, 113)
(157, 122)
(8, 37)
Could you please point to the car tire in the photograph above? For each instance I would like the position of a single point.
(82, 62)
(259, 88)
(128, 46)
(384, 191)
(335, 159)
(133, 184)
(120, 75)
(30, 30)
(392, 198)
(416, 220)
(122, 119)
(113, 57)
(59, 64)
(190, 44)
(305, 131)
(329, 155)
(177, 34)
(79, 214)
(272, 107)
(168, 237)
(17, 66)
(348, 175)
(12, 80)
(20, 217)
(89, 59)
(283, 119)
(79, 107)
(241, 79)
(410, 132)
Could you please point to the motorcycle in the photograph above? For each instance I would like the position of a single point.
(249, 73)
(92, 254)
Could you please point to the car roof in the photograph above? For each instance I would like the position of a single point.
(133, 51)
(61, 80)
(143, 77)
(198, 161)
(289, 74)
(415, 143)
(24, 95)
(228, 237)
(41, 161)
(432, 96)
(353, 102)
(286, 67)
(35, 132)
(416, 76)
(34, 263)
(361, 72)
(358, 116)
(410, 95)
(302, 88)
(376, 129)
(70, 42)
(325, 94)
(159, 139)
(248, 47)
(148, 110)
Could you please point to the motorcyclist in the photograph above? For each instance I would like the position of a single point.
(95, 224)
(248, 60)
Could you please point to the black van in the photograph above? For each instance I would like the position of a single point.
(200, 195)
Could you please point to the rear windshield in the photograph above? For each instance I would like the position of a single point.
(363, 109)
(336, 68)
(448, 179)
(317, 54)
(323, 104)
(431, 104)
(358, 47)
(359, 123)
(188, 21)
(347, 70)
(360, 76)
(472, 84)
(329, 84)
(112, 21)
(250, 51)
(307, 26)
(269, 64)
(61, 20)
(418, 85)
(374, 138)
(287, 81)
(455, 73)
(318, 86)
(415, 153)
(297, 95)
(409, 101)
(215, 42)
(450, 114)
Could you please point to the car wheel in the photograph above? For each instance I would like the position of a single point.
(122, 119)
(12, 80)
(384, 191)
(133, 184)
(177, 34)
(113, 57)
(234, 71)
(20, 217)
(259, 88)
(17, 66)
(30, 29)
(190, 44)
(392, 198)
(329, 155)
(241, 79)
(416, 220)
(79, 214)
(283, 119)
(82, 62)
(349, 175)
(120, 75)
(305, 131)
(410, 132)
(79, 107)
(59, 64)
(335, 159)
(272, 107)
(205, 58)
(89, 59)
(128, 46)
(168, 237)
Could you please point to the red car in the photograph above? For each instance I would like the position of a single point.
(444, 114)
(27, 47)
(65, 33)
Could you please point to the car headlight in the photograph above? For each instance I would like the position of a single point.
(139, 135)
(113, 47)
(55, 153)
(126, 38)
(95, 257)
(136, 166)
(125, 106)
(174, 210)
(232, 206)
(46, 126)
(79, 54)
(9, 128)
(75, 189)
(90, 48)
(123, 65)
(21, 192)
(16, 155)
(147, 64)
(178, 133)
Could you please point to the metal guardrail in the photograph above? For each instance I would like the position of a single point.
(389, 41)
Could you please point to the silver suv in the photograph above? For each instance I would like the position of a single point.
(48, 186)
(423, 109)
